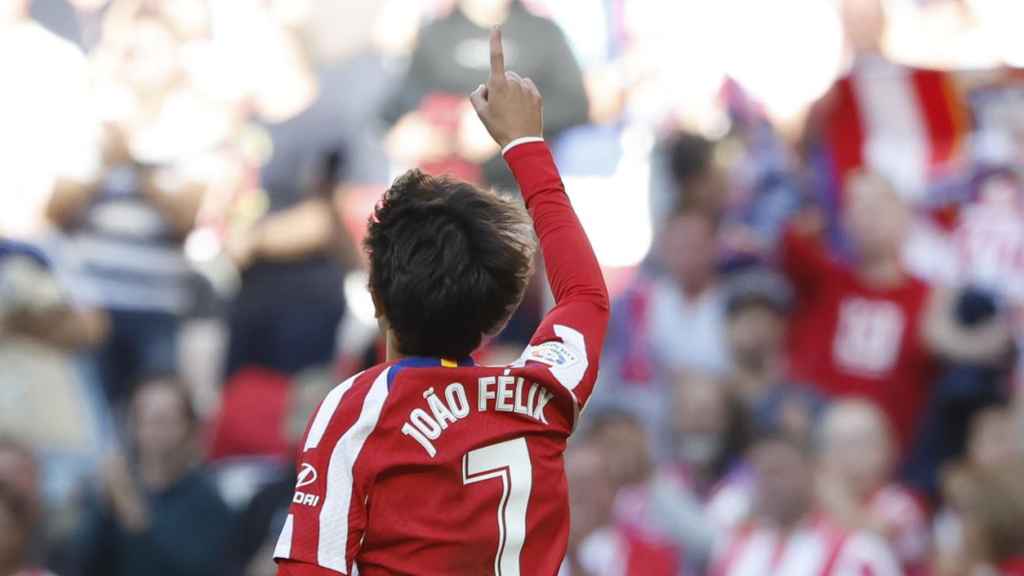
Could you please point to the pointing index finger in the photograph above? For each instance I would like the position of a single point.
(497, 55)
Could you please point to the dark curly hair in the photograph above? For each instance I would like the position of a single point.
(449, 262)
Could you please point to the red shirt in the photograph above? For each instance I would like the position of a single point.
(428, 466)
(851, 339)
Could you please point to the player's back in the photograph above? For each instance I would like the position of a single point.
(437, 465)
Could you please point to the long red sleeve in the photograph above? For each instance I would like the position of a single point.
(805, 261)
(580, 316)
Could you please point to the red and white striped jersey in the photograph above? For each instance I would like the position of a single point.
(437, 466)
(817, 547)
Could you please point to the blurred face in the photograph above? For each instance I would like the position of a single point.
(162, 427)
(993, 439)
(711, 191)
(699, 421)
(151, 55)
(591, 490)
(755, 334)
(864, 21)
(689, 250)
(856, 449)
(783, 481)
(625, 451)
(875, 218)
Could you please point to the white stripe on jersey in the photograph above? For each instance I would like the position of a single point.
(326, 412)
(284, 541)
(897, 140)
(333, 544)
(571, 375)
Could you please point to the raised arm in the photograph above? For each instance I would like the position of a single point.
(511, 109)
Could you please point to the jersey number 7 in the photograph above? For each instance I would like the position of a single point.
(508, 461)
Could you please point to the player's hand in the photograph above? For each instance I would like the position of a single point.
(509, 106)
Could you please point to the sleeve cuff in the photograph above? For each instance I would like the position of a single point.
(518, 141)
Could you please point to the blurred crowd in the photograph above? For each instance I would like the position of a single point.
(812, 228)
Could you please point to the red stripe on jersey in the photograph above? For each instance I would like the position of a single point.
(844, 131)
(836, 543)
(935, 96)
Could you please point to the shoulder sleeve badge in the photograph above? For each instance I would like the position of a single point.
(555, 354)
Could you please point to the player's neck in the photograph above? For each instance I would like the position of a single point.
(391, 351)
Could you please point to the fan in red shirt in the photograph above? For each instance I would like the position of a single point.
(429, 464)
(858, 330)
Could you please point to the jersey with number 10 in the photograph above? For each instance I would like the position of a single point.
(436, 466)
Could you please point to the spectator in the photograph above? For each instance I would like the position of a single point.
(758, 303)
(856, 487)
(125, 222)
(652, 502)
(450, 60)
(597, 545)
(688, 295)
(294, 246)
(158, 514)
(757, 307)
(786, 536)
(993, 448)
(970, 332)
(626, 446)
(709, 430)
(646, 350)
(993, 514)
(705, 467)
(695, 180)
(50, 402)
(646, 341)
(858, 328)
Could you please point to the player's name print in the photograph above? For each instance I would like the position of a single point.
(505, 393)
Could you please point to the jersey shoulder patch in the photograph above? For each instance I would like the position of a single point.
(554, 354)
